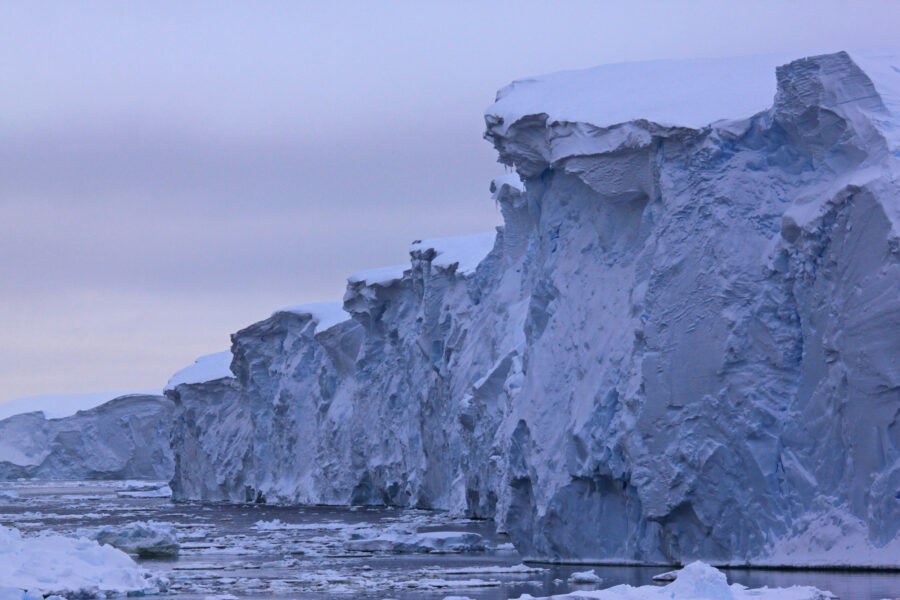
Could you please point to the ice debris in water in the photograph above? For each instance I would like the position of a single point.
(697, 581)
(584, 577)
(143, 538)
(31, 567)
(419, 543)
(154, 492)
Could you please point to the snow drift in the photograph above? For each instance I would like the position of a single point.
(125, 438)
(683, 343)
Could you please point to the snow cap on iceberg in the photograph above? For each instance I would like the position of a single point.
(465, 251)
(206, 368)
(677, 93)
(380, 276)
(325, 314)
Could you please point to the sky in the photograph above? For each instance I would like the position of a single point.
(171, 172)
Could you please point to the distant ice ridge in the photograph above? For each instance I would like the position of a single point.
(60, 406)
(124, 438)
(682, 344)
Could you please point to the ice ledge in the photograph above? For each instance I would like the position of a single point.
(464, 251)
(382, 276)
(538, 121)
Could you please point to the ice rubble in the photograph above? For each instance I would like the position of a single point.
(682, 344)
(124, 438)
(73, 567)
(696, 581)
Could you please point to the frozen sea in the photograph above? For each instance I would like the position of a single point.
(263, 551)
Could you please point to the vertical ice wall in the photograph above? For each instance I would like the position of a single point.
(683, 343)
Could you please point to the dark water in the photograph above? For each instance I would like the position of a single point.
(241, 550)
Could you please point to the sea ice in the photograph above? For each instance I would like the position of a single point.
(696, 581)
(55, 564)
(143, 538)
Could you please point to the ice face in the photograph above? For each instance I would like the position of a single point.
(682, 344)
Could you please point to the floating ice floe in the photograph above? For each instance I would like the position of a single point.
(419, 543)
(143, 538)
(156, 492)
(697, 581)
(33, 567)
(585, 577)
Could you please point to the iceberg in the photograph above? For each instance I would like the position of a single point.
(145, 539)
(123, 438)
(681, 345)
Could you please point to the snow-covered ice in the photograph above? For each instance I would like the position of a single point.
(206, 368)
(379, 276)
(585, 577)
(464, 251)
(77, 567)
(143, 538)
(325, 314)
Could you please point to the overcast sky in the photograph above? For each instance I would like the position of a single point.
(173, 171)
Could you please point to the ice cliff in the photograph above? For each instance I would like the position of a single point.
(124, 438)
(683, 343)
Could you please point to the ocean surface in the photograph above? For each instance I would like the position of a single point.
(260, 551)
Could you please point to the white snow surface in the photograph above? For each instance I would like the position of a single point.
(206, 368)
(673, 93)
(379, 276)
(676, 93)
(325, 314)
(696, 581)
(60, 406)
(465, 251)
(55, 564)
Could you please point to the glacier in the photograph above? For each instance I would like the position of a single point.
(126, 437)
(682, 344)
